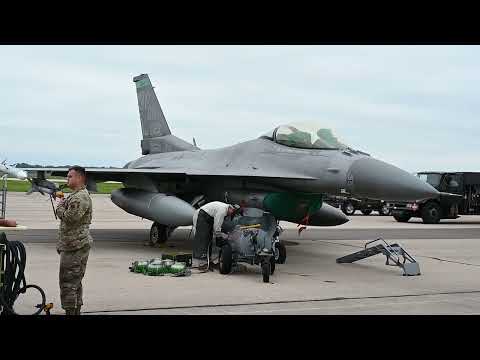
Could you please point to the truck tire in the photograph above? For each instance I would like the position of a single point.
(366, 211)
(402, 217)
(384, 210)
(431, 213)
(348, 208)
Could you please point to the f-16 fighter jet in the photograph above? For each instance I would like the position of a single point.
(11, 171)
(287, 172)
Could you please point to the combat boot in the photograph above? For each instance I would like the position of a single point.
(199, 266)
(77, 310)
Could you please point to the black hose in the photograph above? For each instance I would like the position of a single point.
(14, 282)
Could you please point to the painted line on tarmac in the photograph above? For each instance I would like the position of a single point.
(450, 261)
(284, 302)
(348, 307)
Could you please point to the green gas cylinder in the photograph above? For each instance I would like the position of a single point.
(156, 270)
(140, 266)
(177, 267)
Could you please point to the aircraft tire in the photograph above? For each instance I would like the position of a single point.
(366, 211)
(266, 271)
(225, 259)
(431, 213)
(158, 234)
(281, 250)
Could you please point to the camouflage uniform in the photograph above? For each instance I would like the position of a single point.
(74, 246)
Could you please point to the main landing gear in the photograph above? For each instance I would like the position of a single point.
(159, 234)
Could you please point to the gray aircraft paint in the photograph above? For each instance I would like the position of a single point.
(172, 166)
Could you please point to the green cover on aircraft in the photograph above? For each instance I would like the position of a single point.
(292, 206)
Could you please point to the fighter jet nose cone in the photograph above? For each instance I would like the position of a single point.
(375, 179)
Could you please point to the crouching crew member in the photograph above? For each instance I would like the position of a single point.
(207, 224)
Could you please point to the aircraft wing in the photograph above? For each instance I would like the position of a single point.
(120, 174)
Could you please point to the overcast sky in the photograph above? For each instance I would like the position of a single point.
(413, 106)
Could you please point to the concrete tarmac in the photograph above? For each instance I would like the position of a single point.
(310, 282)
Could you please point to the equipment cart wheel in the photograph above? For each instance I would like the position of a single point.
(280, 253)
(225, 259)
(272, 265)
(266, 271)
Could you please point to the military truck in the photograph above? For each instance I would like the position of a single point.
(349, 205)
(460, 195)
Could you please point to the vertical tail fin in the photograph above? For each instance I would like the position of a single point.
(153, 121)
(157, 136)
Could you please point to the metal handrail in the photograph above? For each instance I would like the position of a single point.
(378, 239)
(408, 256)
(391, 253)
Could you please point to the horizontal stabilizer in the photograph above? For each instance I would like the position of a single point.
(164, 144)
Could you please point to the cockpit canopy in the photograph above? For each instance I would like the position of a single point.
(305, 136)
